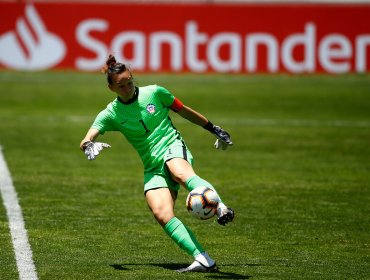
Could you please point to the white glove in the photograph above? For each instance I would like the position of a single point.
(221, 145)
(92, 149)
(223, 138)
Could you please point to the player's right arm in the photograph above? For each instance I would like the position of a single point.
(89, 146)
(91, 135)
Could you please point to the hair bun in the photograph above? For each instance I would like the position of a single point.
(111, 60)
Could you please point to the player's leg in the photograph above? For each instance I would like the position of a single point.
(183, 173)
(161, 202)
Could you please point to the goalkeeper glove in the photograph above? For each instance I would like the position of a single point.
(92, 149)
(223, 138)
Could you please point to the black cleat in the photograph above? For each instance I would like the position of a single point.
(225, 215)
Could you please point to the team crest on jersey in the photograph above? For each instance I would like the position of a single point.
(150, 108)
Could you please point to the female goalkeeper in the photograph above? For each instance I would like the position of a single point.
(141, 115)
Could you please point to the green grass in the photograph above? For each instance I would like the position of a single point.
(298, 177)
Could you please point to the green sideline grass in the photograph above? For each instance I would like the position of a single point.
(298, 178)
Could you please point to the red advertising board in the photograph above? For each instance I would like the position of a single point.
(233, 38)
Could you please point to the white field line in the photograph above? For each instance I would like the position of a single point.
(261, 122)
(299, 122)
(22, 249)
(222, 121)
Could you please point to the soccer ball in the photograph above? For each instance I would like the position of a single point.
(202, 203)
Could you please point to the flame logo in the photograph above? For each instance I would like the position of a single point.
(31, 46)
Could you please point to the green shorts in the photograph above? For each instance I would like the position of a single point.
(160, 177)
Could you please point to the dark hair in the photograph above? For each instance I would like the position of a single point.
(111, 67)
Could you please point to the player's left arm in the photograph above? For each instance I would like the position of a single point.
(223, 138)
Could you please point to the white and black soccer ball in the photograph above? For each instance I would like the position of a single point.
(202, 203)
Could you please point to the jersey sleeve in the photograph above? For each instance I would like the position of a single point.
(166, 97)
(103, 122)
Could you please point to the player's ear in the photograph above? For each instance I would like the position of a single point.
(110, 87)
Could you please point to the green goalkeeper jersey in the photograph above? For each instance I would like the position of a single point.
(144, 121)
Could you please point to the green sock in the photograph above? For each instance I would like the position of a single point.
(196, 181)
(183, 237)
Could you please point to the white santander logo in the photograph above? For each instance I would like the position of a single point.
(31, 49)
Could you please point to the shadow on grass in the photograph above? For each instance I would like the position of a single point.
(118, 267)
(175, 266)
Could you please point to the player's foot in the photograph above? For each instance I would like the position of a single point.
(203, 263)
(224, 214)
(198, 267)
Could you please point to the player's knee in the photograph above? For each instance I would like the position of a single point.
(182, 176)
(163, 216)
(180, 170)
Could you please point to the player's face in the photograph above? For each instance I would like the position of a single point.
(123, 85)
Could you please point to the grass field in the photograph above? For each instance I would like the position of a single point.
(298, 178)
